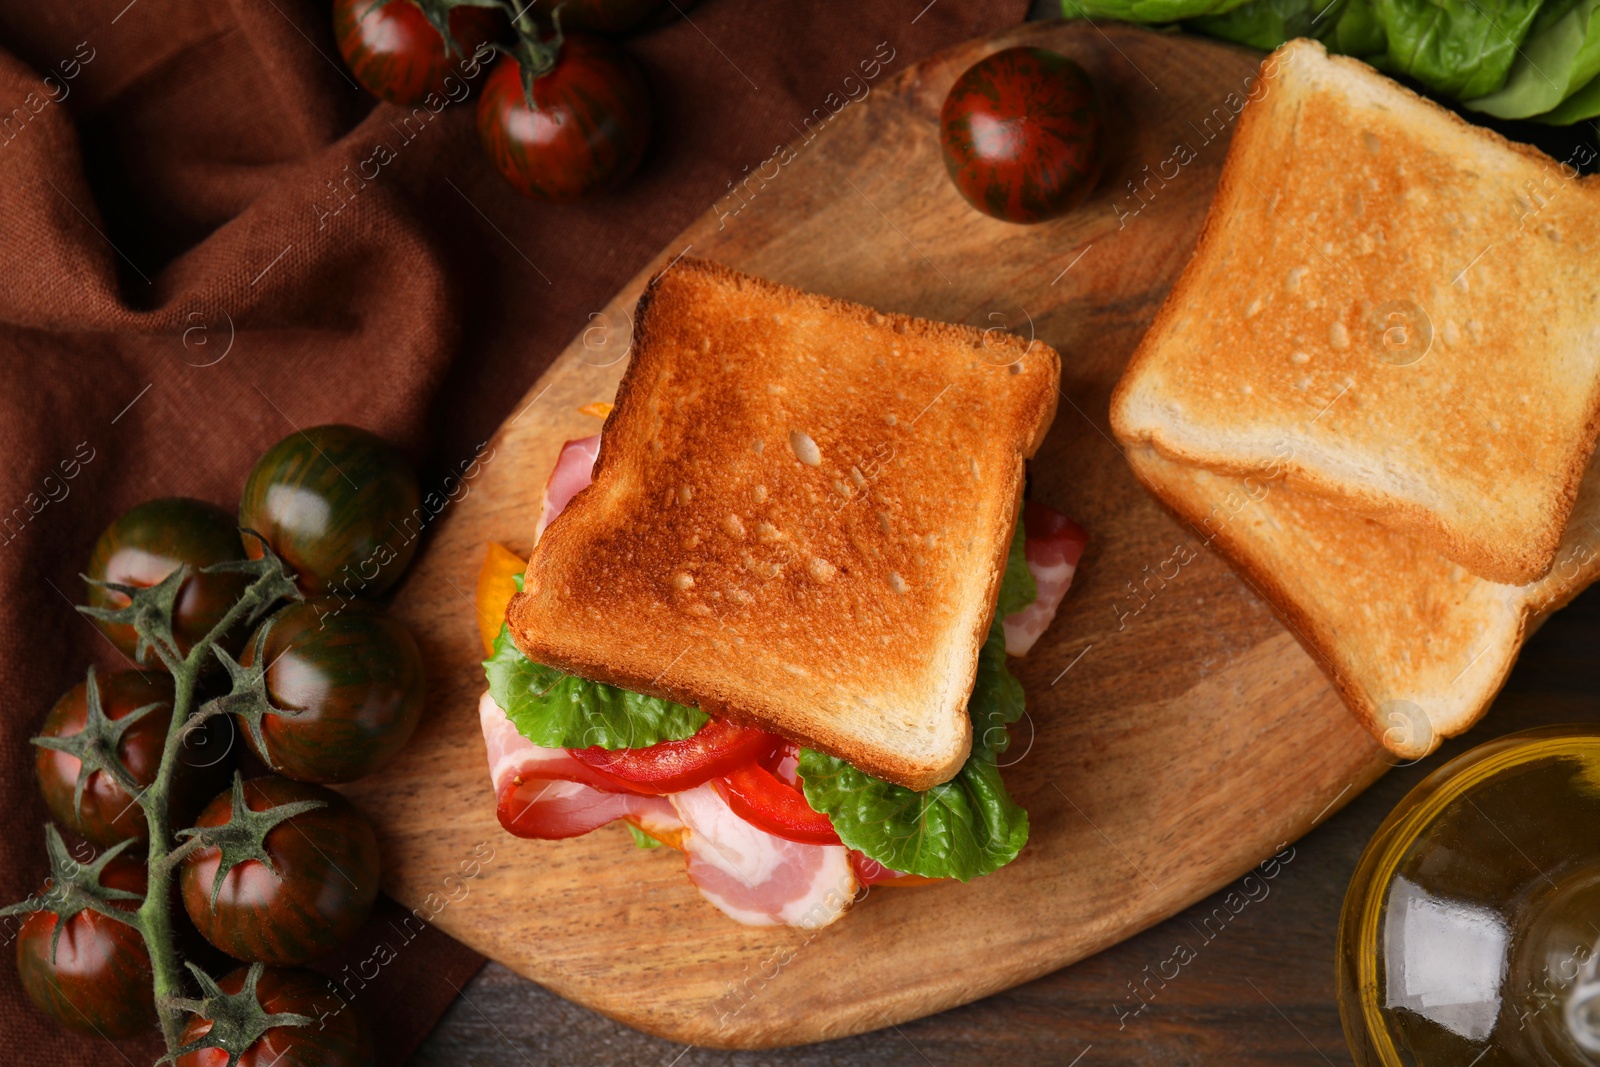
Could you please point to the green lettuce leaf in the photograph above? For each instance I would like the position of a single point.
(554, 709)
(1560, 57)
(1512, 58)
(1583, 104)
(1017, 587)
(1460, 48)
(1266, 24)
(1355, 29)
(640, 838)
(960, 829)
(1146, 10)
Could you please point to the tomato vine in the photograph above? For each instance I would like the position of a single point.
(76, 887)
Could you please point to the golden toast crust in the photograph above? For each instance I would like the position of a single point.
(799, 518)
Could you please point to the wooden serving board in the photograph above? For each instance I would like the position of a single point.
(1176, 733)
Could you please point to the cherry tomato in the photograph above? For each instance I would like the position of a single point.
(673, 766)
(337, 1036)
(758, 797)
(607, 16)
(340, 505)
(586, 131)
(397, 55)
(326, 879)
(148, 543)
(1022, 133)
(354, 677)
(108, 814)
(99, 982)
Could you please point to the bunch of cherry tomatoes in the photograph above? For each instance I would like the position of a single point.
(322, 690)
(562, 114)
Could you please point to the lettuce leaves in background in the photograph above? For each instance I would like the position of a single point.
(1560, 57)
(1147, 10)
(1266, 24)
(1456, 48)
(1509, 58)
(1583, 104)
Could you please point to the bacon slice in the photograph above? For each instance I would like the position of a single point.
(757, 878)
(545, 793)
(573, 473)
(1053, 545)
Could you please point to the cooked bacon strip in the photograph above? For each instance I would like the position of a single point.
(1053, 545)
(545, 793)
(572, 474)
(757, 878)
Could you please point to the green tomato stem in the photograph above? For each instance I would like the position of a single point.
(155, 914)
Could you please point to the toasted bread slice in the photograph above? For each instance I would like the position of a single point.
(799, 519)
(1405, 305)
(1416, 645)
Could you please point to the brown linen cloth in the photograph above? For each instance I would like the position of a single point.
(192, 266)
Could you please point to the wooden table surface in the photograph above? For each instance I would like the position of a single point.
(1260, 992)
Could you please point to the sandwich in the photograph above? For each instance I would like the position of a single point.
(767, 615)
(1375, 389)
(1399, 308)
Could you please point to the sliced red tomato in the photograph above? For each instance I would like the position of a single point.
(759, 798)
(673, 766)
(1052, 536)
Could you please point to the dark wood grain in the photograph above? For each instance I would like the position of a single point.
(1261, 993)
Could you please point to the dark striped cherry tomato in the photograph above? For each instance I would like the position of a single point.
(352, 675)
(108, 814)
(1022, 133)
(322, 887)
(99, 981)
(587, 128)
(148, 543)
(339, 504)
(337, 1037)
(398, 55)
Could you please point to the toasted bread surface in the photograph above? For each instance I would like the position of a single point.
(1407, 303)
(799, 518)
(1415, 644)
